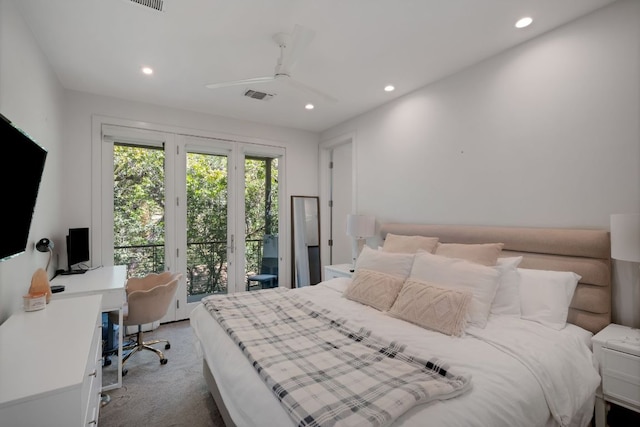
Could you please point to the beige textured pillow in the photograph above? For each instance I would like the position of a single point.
(484, 253)
(374, 288)
(409, 244)
(432, 307)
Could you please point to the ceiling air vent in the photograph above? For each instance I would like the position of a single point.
(259, 95)
(153, 4)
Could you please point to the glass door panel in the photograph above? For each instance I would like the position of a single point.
(261, 222)
(207, 225)
(139, 208)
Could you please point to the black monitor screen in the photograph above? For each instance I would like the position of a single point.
(77, 246)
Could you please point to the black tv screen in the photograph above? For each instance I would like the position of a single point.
(21, 166)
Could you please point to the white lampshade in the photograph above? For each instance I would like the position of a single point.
(625, 237)
(361, 226)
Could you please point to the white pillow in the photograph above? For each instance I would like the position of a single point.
(395, 264)
(456, 273)
(545, 296)
(507, 299)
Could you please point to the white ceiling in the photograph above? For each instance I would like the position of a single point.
(99, 46)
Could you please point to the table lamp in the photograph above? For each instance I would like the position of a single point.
(359, 227)
(625, 237)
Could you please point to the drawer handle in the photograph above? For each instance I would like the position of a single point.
(94, 373)
(92, 422)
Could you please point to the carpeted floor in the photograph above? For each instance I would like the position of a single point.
(157, 395)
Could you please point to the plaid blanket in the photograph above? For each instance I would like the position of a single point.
(324, 372)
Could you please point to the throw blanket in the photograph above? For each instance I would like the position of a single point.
(324, 372)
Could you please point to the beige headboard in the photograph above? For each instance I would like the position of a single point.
(585, 252)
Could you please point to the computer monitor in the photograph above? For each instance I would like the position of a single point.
(77, 249)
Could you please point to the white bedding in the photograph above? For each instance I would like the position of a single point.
(519, 347)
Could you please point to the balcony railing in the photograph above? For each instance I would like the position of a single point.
(206, 264)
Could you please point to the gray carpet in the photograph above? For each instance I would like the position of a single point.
(168, 395)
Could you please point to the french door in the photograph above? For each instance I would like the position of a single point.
(200, 206)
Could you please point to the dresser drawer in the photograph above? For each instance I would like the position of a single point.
(92, 384)
(621, 376)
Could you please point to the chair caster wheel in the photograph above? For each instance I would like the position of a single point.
(163, 361)
(124, 372)
(167, 346)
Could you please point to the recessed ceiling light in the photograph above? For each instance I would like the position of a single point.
(148, 71)
(309, 107)
(524, 22)
(389, 88)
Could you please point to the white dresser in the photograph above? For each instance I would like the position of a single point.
(51, 365)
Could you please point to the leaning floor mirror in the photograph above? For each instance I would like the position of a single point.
(305, 241)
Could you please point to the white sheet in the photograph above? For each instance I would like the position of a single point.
(496, 399)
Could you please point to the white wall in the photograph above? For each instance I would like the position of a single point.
(301, 148)
(545, 134)
(31, 97)
(60, 120)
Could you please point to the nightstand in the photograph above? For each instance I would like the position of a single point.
(337, 270)
(617, 350)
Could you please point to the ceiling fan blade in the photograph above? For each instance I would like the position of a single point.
(310, 90)
(240, 82)
(300, 39)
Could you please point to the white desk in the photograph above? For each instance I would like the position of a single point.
(108, 282)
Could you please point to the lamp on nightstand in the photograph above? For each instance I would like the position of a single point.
(625, 242)
(625, 237)
(359, 227)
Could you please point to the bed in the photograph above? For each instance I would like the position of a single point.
(511, 370)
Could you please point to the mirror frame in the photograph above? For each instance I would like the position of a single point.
(317, 273)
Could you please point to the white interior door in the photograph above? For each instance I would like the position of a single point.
(337, 197)
(342, 201)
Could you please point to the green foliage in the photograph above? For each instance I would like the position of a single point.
(138, 196)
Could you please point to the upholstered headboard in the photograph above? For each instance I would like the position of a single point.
(585, 252)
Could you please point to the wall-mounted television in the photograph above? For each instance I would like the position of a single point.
(21, 167)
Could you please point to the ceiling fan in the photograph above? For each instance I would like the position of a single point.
(291, 47)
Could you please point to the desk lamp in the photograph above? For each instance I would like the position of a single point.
(45, 245)
(359, 227)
